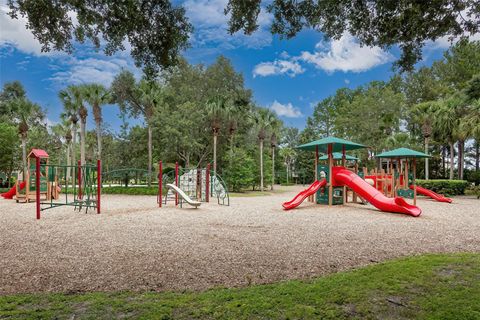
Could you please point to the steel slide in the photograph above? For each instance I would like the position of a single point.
(295, 202)
(431, 194)
(184, 196)
(375, 197)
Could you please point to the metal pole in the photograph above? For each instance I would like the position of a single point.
(414, 181)
(176, 182)
(99, 184)
(207, 184)
(160, 175)
(330, 169)
(37, 185)
(344, 163)
(79, 164)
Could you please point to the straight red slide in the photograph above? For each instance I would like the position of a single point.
(295, 202)
(10, 193)
(372, 195)
(431, 194)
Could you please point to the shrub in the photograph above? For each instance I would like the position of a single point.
(446, 187)
(473, 176)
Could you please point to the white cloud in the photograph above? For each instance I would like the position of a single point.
(290, 68)
(346, 55)
(211, 25)
(14, 33)
(285, 110)
(89, 70)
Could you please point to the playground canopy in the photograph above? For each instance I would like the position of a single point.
(403, 153)
(338, 156)
(38, 153)
(338, 145)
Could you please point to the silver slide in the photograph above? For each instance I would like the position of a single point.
(182, 194)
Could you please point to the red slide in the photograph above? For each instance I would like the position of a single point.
(372, 195)
(10, 193)
(431, 194)
(295, 202)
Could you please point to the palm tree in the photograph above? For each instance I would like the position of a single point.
(273, 144)
(215, 110)
(423, 115)
(97, 95)
(63, 131)
(447, 122)
(72, 98)
(263, 119)
(288, 155)
(26, 113)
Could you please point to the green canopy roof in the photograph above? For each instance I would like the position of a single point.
(338, 145)
(338, 156)
(403, 153)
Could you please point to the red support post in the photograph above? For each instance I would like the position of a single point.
(207, 184)
(99, 184)
(176, 182)
(37, 186)
(160, 175)
(79, 178)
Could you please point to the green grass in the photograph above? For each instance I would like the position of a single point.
(423, 287)
(257, 193)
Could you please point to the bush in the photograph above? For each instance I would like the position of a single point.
(445, 187)
(473, 176)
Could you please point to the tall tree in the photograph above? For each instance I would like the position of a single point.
(423, 114)
(407, 24)
(156, 31)
(97, 95)
(139, 99)
(215, 110)
(263, 120)
(27, 114)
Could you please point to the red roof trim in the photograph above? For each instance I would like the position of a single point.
(38, 153)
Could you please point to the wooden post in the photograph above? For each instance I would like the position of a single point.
(37, 186)
(330, 178)
(99, 184)
(414, 181)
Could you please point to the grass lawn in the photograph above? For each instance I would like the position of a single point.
(258, 193)
(423, 287)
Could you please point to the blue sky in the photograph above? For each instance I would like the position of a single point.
(288, 76)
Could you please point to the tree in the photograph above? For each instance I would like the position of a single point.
(8, 149)
(240, 171)
(406, 24)
(423, 114)
(27, 113)
(288, 154)
(97, 96)
(70, 114)
(139, 99)
(11, 91)
(263, 119)
(215, 110)
(156, 31)
(73, 98)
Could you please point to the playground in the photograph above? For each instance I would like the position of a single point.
(134, 245)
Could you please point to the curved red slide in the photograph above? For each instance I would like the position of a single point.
(431, 194)
(375, 197)
(295, 202)
(10, 193)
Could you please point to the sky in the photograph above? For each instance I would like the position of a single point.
(287, 76)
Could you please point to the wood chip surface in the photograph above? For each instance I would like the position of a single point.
(133, 245)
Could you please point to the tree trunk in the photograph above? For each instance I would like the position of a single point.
(452, 151)
(261, 165)
(67, 178)
(74, 142)
(149, 129)
(24, 156)
(83, 128)
(215, 153)
(273, 167)
(426, 159)
(461, 147)
(444, 171)
(287, 172)
(99, 140)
